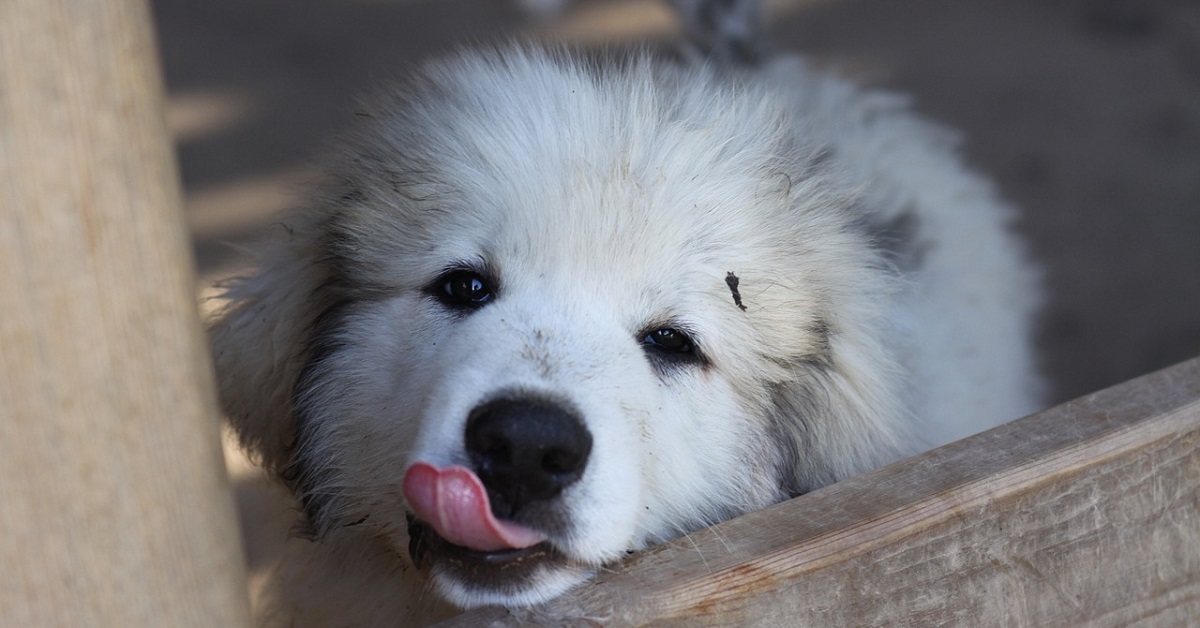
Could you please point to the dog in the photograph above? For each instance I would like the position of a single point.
(547, 309)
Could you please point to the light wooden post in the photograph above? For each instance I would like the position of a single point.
(114, 507)
(1085, 514)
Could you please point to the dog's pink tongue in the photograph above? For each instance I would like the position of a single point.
(454, 502)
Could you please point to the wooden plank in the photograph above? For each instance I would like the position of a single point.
(114, 507)
(1088, 513)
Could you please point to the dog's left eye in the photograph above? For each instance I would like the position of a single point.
(463, 288)
(669, 340)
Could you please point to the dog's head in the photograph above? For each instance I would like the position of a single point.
(547, 311)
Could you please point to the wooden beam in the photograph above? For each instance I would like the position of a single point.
(1085, 513)
(114, 506)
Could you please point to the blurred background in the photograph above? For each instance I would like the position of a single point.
(1085, 112)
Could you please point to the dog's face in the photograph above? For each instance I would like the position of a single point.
(549, 314)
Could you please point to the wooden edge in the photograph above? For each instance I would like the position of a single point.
(114, 504)
(966, 510)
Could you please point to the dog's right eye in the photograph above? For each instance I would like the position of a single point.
(668, 347)
(463, 289)
(670, 340)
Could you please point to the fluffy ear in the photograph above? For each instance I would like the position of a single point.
(838, 418)
(258, 342)
(867, 415)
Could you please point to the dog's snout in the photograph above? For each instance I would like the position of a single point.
(526, 450)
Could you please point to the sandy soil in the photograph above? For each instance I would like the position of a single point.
(1086, 112)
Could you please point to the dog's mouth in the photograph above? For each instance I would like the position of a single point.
(427, 548)
(453, 532)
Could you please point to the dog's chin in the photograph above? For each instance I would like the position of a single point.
(513, 577)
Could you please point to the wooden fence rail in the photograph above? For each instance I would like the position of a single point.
(1088, 513)
(114, 506)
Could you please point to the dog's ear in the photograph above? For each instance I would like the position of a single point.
(258, 341)
(838, 416)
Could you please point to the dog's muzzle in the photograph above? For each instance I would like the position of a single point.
(503, 512)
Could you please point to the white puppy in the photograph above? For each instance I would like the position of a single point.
(546, 310)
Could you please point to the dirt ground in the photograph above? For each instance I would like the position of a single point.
(1086, 113)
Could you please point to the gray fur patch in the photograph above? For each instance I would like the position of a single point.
(793, 405)
(897, 238)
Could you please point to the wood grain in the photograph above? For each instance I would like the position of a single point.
(114, 507)
(1086, 514)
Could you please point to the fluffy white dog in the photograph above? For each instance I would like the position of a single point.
(546, 310)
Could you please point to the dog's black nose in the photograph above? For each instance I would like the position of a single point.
(526, 450)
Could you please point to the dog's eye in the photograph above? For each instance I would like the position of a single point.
(669, 348)
(669, 340)
(463, 289)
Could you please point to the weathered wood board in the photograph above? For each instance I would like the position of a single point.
(1085, 514)
(114, 505)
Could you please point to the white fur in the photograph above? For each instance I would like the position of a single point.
(610, 197)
